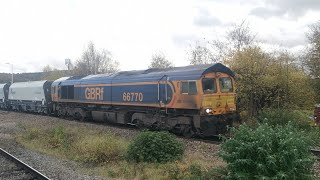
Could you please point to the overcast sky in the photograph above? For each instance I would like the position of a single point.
(35, 33)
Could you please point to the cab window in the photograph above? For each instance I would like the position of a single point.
(189, 87)
(225, 85)
(67, 92)
(209, 85)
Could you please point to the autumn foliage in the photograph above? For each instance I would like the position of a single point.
(267, 80)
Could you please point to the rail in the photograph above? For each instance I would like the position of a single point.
(23, 165)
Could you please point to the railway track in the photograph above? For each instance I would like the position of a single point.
(13, 168)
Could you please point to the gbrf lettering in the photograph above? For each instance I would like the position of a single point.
(94, 93)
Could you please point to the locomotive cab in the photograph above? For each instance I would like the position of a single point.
(218, 96)
(218, 103)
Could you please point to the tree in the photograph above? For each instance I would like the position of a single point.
(159, 60)
(294, 82)
(52, 73)
(240, 36)
(250, 67)
(312, 59)
(95, 61)
(200, 54)
(218, 50)
(55, 74)
(47, 68)
(266, 80)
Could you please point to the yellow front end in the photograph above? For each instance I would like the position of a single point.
(218, 97)
(218, 104)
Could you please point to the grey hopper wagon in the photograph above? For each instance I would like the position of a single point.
(32, 96)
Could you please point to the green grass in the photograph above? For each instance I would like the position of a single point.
(100, 149)
(102, 153)
(74, 144)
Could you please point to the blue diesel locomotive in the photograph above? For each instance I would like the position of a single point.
(196, 99)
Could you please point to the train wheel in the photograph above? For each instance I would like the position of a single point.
(79, 114)
(138, 123)
(187, 131)
(43, 112)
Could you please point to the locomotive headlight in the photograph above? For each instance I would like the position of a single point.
(232, 109)
(208, 111)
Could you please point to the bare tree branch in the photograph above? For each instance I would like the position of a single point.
(94, 61)
(159, 60)
(240, 35)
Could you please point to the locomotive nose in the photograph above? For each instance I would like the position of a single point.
(218, 104)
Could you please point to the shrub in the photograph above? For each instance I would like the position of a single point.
(282, 117)
(100, 149)
(194, 171)
(58, 137)
(314, 134)
(32, 133)
(182, 171)
(281, 152)
(155, 147)
(215, 173)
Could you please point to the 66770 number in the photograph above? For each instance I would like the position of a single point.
(132, 96)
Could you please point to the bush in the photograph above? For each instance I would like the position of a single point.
(155, 147)
(194, 171)
(32, 133)
(314, 134)
(281, 152)
(59, 137)
(100, 149)
(282, 117)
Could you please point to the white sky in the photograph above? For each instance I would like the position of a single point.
(35, 33)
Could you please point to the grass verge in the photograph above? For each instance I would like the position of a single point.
(102, 153)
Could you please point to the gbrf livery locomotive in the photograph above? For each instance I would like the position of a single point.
(196, 99)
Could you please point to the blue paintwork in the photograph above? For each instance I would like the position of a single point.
(113, 92)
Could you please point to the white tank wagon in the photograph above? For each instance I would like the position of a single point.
(4, 89)
(32, 96)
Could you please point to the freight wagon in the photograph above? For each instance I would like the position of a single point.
(32, 96)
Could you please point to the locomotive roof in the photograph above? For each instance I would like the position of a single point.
(200, 68)
(195, 70)
(191, 72)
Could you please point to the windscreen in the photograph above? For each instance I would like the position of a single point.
(209, 85)
(225, 85)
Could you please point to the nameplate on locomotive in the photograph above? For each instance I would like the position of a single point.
(94, 93)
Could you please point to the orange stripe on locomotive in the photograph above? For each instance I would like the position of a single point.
(205, 93)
